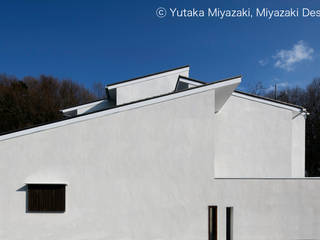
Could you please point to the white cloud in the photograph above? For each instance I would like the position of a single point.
(286, 59)
(263, 62)
(280, 85)
(283, 84)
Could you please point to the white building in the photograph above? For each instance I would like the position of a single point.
(163, 157)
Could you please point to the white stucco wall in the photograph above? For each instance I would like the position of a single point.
(269, 209)
(298, 145)
(139, 174)
(150, 86)
(253, 140)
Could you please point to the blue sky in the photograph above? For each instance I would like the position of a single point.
(109, 41)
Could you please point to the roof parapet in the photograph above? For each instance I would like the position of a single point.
(145, 77)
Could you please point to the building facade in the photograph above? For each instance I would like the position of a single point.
(164, 156)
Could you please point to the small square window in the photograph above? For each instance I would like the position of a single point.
(46, 197)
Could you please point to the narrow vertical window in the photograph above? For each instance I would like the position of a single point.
(229, 219)
(213, 223)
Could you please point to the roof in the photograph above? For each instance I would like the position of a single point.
(195, 81)
(223, 88)
(87, 104)
(191, 80)
(271, 100)
(130, 81)
(120, 108)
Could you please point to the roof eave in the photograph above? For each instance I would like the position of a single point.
(115, 109)
(287, 105)
(133, 80)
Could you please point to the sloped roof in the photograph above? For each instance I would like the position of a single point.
(73, 107)
(119, 108)
(252, 96)
(224, 88)
(132, 80)
(269, 99)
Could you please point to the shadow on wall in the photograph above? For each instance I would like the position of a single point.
(24, 188)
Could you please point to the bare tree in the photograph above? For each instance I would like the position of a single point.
(33, 101)
(98, 90)
(258, 89)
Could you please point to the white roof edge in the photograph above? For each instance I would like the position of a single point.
(121, 108)
(147, 78)
(189, 81)
(269, 102)
(227, 82)
(82, 105)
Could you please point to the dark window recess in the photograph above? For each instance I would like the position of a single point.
(229, 222)
(213, 222)
(46, 197)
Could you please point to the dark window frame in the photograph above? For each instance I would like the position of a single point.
(46, 198)
(229, 222)
(212, 222)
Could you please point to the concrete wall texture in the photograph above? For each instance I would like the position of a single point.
(150, 86)
(258, 140)
(151, 173)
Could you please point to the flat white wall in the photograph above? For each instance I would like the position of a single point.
(269, 209)
(152, 86)
(298, 145)
(139, 174)
(253, 140)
